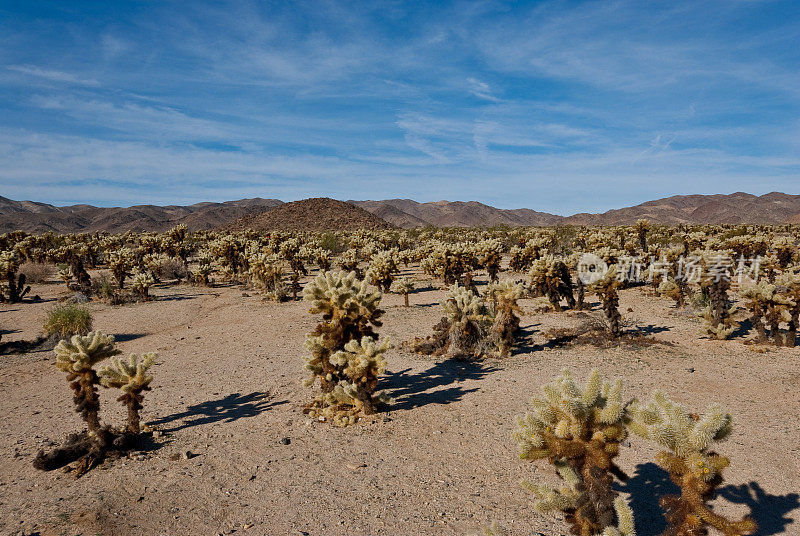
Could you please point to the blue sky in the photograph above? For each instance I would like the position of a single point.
(557, 106)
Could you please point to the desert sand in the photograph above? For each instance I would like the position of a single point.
(228, 389)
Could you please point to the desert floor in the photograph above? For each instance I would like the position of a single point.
(228, 388)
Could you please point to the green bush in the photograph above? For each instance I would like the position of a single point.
(67, 320)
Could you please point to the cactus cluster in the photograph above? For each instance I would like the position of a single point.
(580, 430)
(77, 357)
(345, 356)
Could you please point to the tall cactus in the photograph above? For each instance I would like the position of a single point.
(579, 430)
(77, 358)
(345, 356)
(690, 462)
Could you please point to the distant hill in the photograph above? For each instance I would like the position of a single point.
(772, 208)
(316, 214)
(455, 214)
(41, 217)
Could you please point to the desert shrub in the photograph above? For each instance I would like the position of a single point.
(104, 286)
(67, 320)
(690, 461)
(37, 272)
(164, 267)
(579, 430)
(345, 357)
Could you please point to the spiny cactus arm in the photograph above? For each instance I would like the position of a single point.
(80, 353)
(549, 500)
(625, 524)
(128, 375)
(362, 360)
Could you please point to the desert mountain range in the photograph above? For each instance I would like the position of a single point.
(323, 213)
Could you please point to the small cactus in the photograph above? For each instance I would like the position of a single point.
(130, 376)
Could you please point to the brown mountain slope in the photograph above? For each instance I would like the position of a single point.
(454, 214)
(772, 208)
(316, 214)
(739, 207)
(41, 217)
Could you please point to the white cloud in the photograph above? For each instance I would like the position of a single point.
(55, 76)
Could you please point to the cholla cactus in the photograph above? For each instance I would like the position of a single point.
(77, 358)
(691, 464)
(606, 289)
(349, 260)
(784, 248)
(344, 356)
(469, 320)
(12, 288)
(489, 254)
(404, 286)
(383, 268)
(642, 227)
(132, 378)
(504, 297)
(579, 430)
(789, 284)
(266, 271)
(765, 302)
(670, 288)
(141, 283)
(550, 277)
(228, 251)
(120, 263)
(65, 274)
(360, 363)
(199, 274)
(323, 258)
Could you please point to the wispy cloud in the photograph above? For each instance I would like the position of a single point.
(560, 106)
(55, 76)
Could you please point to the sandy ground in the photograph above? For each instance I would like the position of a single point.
(228, 388)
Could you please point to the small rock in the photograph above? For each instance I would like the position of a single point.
(285, 441)
(690, 369)
(245, 295)
(188, 455)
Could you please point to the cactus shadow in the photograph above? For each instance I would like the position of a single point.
(420, 388)
(230, 408)
(769, 511)
(650, 329)
(744, 328)
(647, 485)
(125, 337)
